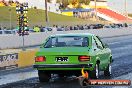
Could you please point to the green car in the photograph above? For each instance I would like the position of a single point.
(67, 54)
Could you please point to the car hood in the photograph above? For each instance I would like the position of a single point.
(63, 51)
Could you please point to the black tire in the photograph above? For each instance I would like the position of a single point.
(107, 72)
(95, 72)
(44, 76)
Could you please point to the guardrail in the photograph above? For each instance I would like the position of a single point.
(15, 41)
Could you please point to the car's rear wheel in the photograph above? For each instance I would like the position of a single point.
(95, 72)
(107, 72)
(44, 76)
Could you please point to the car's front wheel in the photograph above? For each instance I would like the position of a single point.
(44, 76)
(107, 72)
(95, 72)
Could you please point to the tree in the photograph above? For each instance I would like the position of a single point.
(59, 1)
(66, 2)
(81, 1)
(48, 0)
(73, 1)
(84, 1)
(87, 2)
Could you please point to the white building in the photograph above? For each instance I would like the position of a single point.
(99, 4)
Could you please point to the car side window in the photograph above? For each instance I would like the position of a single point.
(94, 43)
(98, 42)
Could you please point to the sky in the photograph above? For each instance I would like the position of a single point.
(117, 5)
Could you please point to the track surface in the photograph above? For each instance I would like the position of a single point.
(121, 69)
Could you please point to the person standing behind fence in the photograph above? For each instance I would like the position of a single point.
(36, 29)
(54, 28)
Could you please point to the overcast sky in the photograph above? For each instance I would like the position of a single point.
(117, 5)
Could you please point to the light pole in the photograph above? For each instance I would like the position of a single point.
(46, 14)
(126, 14)
(95, 9)
(10, 17)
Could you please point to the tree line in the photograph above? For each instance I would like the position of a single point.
(66, 2)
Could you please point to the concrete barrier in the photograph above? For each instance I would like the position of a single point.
(15, 41)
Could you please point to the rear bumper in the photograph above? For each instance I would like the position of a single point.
(63, 66)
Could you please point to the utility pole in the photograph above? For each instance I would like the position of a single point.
(10, 17)
(46, 14)
(126, 14)
(95, 9)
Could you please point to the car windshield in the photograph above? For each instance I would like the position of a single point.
(68, 41)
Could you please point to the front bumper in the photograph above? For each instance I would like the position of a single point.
(63, 66)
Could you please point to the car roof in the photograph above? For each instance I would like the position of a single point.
(73, 34)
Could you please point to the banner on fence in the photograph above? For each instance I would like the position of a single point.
(8, 61)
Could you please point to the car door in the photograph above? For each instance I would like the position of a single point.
(106, 52)
(101, 52)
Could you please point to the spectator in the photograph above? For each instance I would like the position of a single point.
(36, 29)
(71, 28)
(54, 28)
(41, 29)
(4, 28)
(125, 24)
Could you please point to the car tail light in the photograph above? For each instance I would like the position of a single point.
(40, 59)
(84, 58)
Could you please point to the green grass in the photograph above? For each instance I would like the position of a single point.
(33, 14)
(37, 17)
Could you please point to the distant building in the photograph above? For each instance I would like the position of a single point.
(99, 4)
